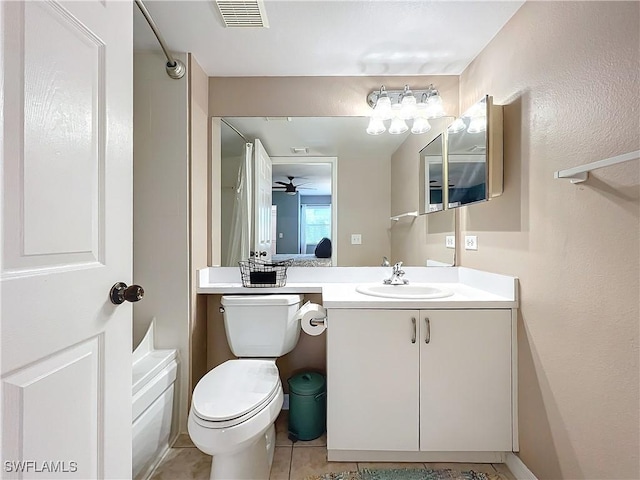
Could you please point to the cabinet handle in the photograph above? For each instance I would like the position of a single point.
(427, 337)
(413, 337)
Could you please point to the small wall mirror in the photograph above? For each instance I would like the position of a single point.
(474, 155)
(432, 173)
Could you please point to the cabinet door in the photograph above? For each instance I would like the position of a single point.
(372, 380)
(465, 375)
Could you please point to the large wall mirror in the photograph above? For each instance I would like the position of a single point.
(330, 179)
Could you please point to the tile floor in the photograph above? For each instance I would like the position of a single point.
(293, 461)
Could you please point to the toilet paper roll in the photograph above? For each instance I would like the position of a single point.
(313, 318)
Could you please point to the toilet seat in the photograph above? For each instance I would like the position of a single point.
(234, 392)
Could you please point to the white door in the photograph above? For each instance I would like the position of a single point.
(66, 146)
(262, 202)
(372, 389)
(465, 380)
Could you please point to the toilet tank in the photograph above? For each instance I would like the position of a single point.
(261, 325)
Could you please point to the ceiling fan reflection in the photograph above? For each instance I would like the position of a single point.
(290, 187)
(435, 184)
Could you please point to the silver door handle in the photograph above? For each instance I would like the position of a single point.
(427, 337)
(413, 337)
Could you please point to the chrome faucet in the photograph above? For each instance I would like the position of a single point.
(396, 276)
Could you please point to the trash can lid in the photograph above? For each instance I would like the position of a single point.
(306, 383)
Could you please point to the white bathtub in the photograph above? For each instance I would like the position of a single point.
(154, 375)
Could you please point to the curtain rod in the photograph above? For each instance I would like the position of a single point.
(234, 129)
(175, 68)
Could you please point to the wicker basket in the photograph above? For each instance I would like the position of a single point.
(260, 273)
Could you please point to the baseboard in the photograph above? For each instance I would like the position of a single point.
(518, 468)
(414, 456)
(285, 403)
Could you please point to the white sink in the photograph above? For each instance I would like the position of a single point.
(414, 291)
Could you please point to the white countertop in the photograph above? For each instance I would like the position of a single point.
(344, 295)
(472, 288)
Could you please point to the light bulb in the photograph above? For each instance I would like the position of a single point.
(457, 126)
(434, 106)
(395, 110)
(420, 125)
(421, 109)
(477, 125)
(408, 103)
(382, 108)
(376, 126)
(398, 126)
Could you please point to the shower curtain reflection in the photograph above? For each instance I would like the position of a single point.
(236, 197)
(240, 231)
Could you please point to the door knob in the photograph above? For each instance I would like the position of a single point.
(120, 293)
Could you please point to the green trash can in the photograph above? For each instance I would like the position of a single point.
(307, 406)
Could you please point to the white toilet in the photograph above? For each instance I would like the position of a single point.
(235, 405)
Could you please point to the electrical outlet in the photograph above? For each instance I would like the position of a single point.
(450, 241)
(470, 242)
(356, 239)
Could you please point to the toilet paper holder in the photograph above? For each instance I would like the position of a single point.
(317, 321)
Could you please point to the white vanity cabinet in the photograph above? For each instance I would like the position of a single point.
(465, 380)
(419, 380)
(373, 378)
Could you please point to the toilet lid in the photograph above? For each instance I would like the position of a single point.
(234, 389)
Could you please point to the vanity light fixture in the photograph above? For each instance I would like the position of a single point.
(402, 105)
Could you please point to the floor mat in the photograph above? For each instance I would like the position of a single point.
(405, 474)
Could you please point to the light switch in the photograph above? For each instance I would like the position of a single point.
(356, 239)
(281, 235)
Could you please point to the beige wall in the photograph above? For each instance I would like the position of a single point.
(199, 215)
(364, 186)
(312, 96)
(161, 212)
(416, 239)
(568, 75)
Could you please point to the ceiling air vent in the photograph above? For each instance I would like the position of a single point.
(243, 13)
